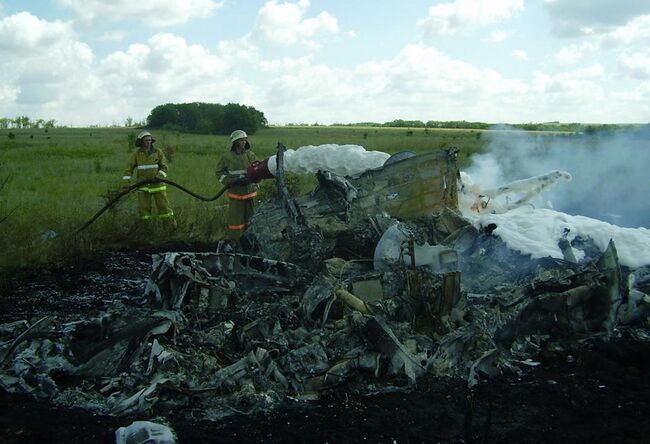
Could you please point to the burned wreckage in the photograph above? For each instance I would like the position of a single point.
(365, 285)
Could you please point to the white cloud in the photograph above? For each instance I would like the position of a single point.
(307, 85)
(597, 39)
(582, 82)
(239, 51)
(643, 95)
(636, 65)
(8, 95)
(573, 53)
(38, 59)
(583, 95)
(425, 71)
(449, 18)
(639, 96)
(420, 82)
(156, 13)
(635, 34)
(285, 65)
(498, 36)
(285, 24)
(25, 32)
(569, 55)
(572, 18)
(45, 72)
(520, 54)
(168, 69)
(635, 31)
(113, 36)
(165, 67)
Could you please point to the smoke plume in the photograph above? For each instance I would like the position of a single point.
(611, 176)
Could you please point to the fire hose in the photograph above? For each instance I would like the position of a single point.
(254, 173)
(126, 191)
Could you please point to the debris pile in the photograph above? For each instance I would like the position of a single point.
(366, 284)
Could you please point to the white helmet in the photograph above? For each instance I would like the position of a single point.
(237, 134)
(142, 135)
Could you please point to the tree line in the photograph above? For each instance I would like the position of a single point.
(214, 118)
(206, 118)
(464, 124)
(25, 122)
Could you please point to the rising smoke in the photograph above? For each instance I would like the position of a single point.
(611, 177)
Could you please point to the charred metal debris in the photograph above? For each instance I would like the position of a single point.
(364, 285)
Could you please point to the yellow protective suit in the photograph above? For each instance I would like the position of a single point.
(149, 164)
(241, 198)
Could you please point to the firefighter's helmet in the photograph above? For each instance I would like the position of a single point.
(238, 134)
(235, 136)
(142, 135)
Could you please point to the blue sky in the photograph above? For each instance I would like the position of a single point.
(309, 61)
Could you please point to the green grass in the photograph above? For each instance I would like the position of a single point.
(59, 178)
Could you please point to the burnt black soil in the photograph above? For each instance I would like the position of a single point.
(595, 391)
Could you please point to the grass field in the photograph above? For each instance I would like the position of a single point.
(57, 179)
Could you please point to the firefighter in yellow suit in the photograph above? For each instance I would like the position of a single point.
(231, 170)
(149, 162)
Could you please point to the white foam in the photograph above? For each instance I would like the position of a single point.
(344, 160)
(537, 231)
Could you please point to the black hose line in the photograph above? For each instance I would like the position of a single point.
(149, 182)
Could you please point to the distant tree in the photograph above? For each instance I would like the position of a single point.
(163, 115)
(591, 130)
(25, 122)
(188, 116)
(22, 122)
(237, 116)
(211, 118)
(400, 123)
(530, 126)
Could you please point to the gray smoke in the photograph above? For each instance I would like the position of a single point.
(611, 171)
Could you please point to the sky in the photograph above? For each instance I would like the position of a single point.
(85, 62)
